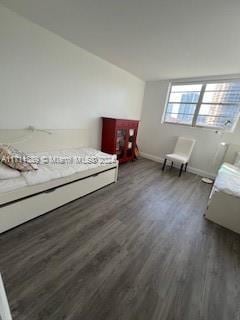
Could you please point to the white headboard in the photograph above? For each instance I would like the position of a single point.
(231, 153)
(27, 140)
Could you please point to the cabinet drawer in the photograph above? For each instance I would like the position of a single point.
(29, 208)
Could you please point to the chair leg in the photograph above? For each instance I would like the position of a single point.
(185, 168)
(181, 169)
(171, 164)
(164, 164)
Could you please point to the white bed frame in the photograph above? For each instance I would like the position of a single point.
(17, 212)
(24, 209)
(223, 208)
(5, 313)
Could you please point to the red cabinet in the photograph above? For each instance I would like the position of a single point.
(119, 137)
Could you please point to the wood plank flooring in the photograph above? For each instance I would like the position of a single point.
(136, 250)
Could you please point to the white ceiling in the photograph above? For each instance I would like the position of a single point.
(153, 39)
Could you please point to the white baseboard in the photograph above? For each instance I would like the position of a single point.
(151, 157)
(199, 172)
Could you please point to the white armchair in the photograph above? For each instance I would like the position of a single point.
(181, 153)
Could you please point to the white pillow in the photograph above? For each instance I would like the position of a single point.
(8, 173)
(237, 160)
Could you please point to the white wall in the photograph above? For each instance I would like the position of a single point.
(48, 82)
(156, 139)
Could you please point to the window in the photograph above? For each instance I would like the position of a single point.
(204, 104)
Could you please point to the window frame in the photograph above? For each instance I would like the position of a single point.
(198, 104)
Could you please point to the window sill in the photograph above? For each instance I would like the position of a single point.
(216, 129)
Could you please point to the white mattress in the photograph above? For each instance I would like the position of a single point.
(12, 184)
(228, 179)
(60, 164)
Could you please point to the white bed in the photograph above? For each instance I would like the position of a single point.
(68, 175)
(5, 313)
(224, 201)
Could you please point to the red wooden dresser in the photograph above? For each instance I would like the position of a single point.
(119, 137)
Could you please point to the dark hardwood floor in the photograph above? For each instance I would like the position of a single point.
(136, 250)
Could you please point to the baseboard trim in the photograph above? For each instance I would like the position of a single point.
(197, 171)
(151, 157)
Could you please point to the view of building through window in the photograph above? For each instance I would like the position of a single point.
(215, 105)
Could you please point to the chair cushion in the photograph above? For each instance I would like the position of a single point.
(177, 158)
